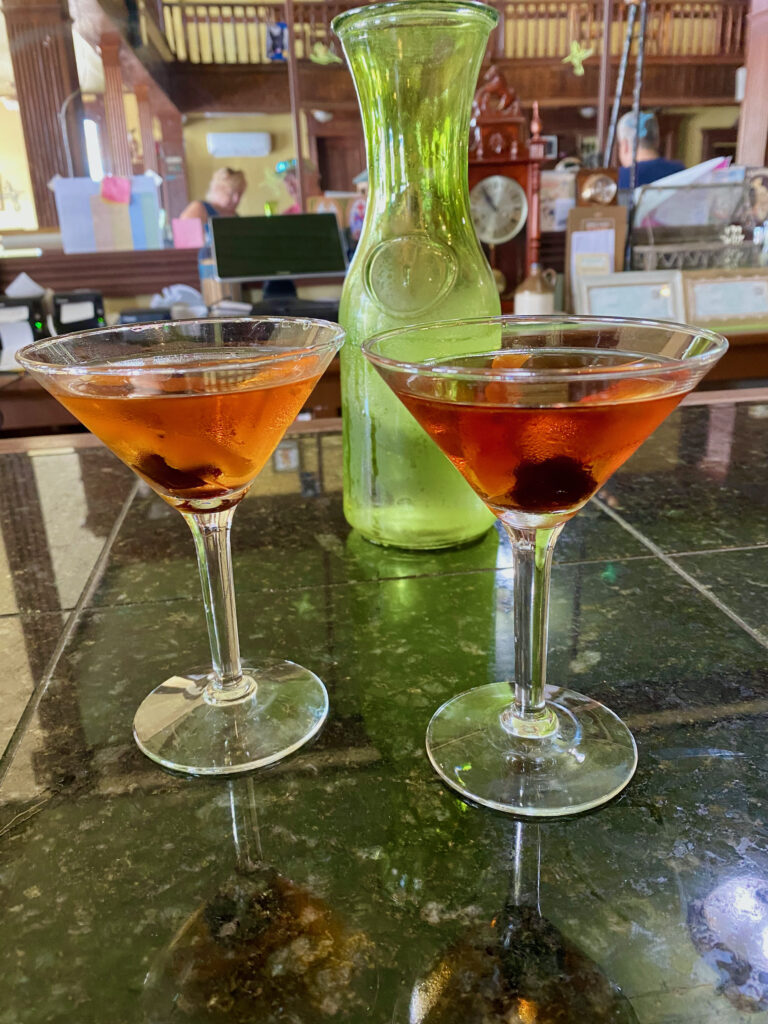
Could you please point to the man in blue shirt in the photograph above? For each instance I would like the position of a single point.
(650, 166)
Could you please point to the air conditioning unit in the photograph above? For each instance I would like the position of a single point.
(237, 144)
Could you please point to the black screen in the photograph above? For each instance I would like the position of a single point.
(291, 245)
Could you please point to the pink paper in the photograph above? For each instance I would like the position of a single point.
(187, 233)
(115, 190)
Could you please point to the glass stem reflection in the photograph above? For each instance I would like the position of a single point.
(211, 531)
(532, 563)
(526, 867)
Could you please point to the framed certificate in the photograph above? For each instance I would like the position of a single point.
(720, 298)
(649, 295)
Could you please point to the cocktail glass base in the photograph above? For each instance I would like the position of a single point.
(587, 760)
(189, 726)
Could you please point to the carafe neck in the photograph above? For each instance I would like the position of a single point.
(415, 76)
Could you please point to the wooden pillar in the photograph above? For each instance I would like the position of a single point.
(603, 99)
(753, 122)
(171, 163)
(293, 89)
(114, 110)
(45, 73)
(148, 148)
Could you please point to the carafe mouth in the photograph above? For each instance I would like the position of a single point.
(412, 13)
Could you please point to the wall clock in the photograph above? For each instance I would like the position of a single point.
(499, 208)
(504, 177)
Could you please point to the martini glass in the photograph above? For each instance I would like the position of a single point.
(536, 414)
(196, 408)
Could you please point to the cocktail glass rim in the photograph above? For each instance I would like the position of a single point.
(454, 371)
(123, 367)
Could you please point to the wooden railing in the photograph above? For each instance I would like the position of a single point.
(237, 33)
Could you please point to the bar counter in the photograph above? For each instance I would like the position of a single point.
(346, 883)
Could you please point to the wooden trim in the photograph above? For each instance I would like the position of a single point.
(114, 274)
(726, 397)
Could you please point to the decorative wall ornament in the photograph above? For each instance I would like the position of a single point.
(578, 54)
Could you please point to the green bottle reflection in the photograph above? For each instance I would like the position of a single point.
(423, 633)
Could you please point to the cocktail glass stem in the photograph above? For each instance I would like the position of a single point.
(532, 551)
(211, 531)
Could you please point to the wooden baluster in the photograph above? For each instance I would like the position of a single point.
(218, 46)
(241, 48)
(717, 42)
(252, 34)
(179, 42)
(666, 14)
(198, 33)
(728, 31)
(186, 22)
(167, 28)
(499, 37)
(238, 22)
(207, 55)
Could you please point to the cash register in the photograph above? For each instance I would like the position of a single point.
(22, 321)
(279, 251)
(77, 311)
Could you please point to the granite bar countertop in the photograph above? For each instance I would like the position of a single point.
(347, 883)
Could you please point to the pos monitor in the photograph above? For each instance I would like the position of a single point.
(290, 246)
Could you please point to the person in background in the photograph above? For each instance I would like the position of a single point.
(288, 170)
(650, 165)
(222, 198)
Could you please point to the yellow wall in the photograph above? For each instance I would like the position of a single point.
(132, 119)
(201, 165)
(696, 120)
(14, 172)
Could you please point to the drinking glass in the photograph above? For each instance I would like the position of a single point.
(196, 408)
(536, 413)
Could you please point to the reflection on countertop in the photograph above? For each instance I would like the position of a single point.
(659, 607)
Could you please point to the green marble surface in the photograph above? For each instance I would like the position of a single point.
(119, 883)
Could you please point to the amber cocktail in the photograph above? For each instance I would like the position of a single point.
(537, 418)
(196, 408)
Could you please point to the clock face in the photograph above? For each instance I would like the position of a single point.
(599, 188)
(499, 207)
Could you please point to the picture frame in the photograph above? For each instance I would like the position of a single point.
(721, 298)
(550, 147)
(652, 295)
(285, 458)
(583, 255)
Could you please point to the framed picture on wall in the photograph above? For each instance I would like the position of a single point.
(550, 147)
(717, 298)
(652, 295)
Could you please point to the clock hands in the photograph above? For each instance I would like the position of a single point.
(490, 202)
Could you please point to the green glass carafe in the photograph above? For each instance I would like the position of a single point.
(415, 65)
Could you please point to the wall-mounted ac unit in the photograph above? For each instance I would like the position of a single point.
(229, 144)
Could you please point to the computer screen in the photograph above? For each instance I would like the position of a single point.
(264, 248)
